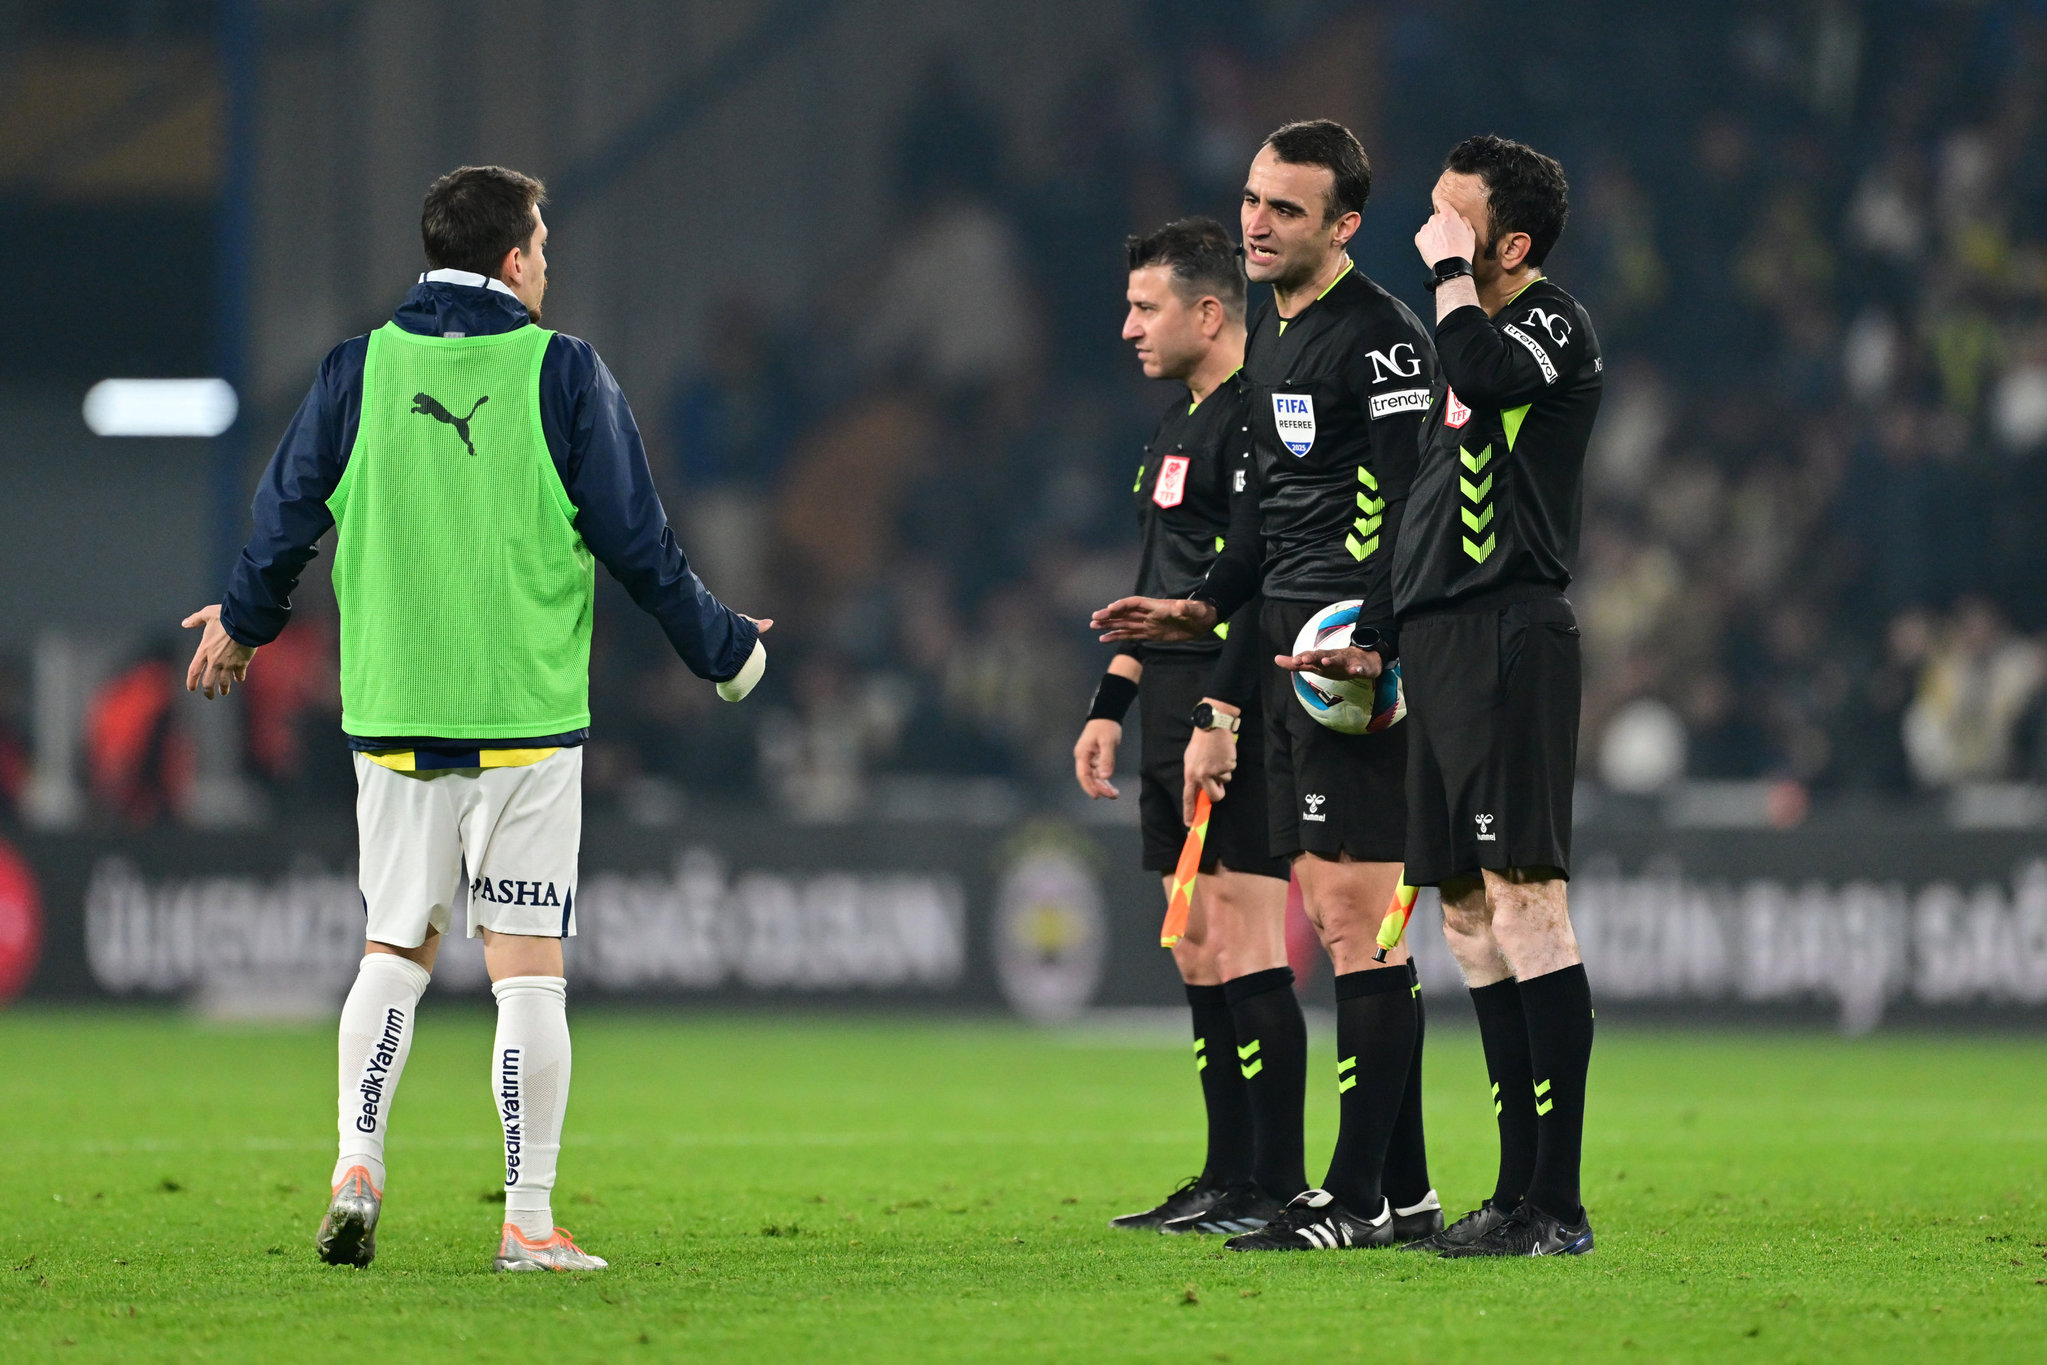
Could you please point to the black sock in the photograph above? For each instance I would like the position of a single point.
(1503, 1033)
(1272, 1056)
(1374, 1052)
(1558, 1006)
(1223, 1091)
(1407, 1154)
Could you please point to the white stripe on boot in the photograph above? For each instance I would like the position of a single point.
(376, 1037)
(530, 1081)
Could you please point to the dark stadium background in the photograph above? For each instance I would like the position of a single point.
(858, 267)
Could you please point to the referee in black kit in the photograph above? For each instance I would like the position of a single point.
(1490, 650)
(1186, 323)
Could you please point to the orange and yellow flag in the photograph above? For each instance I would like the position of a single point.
(1181, 901)
(1394, 926)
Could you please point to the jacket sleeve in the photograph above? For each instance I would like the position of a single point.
(1392, 371)
(1232, 586)
(290, 510)
(621, 519)
(1234, 577)
(1505, 362)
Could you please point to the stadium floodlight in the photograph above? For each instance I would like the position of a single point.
(161, 407)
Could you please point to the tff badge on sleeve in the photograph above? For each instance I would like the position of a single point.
(1294, 415)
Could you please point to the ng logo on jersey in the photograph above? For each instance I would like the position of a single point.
(1294, 415)
(1391, 364)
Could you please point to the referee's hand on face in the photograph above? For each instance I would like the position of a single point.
(1157, 619)
(1348, 662)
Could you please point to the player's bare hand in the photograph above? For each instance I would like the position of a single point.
(220, 661)
(1445, 235)
(1094, 758)
(1348, 662)
(1209, 763)
(763, 624)
(1154, 618)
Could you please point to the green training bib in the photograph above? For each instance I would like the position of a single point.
(465, 591)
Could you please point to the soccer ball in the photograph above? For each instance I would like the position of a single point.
(1352, 706)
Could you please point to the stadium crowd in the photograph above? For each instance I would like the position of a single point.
(1813, 540)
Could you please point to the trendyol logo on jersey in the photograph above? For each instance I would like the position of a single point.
(1314, 802)
(1389, 363)
(1485, 828)
(1171, 488)
(1400, 400)
(426, 405)
(506, 891)
(1294, 415)
(377, 1071)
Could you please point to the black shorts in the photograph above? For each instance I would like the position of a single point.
(1492, 704)
(1328, 792)
(1236, 825)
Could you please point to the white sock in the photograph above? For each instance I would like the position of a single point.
(530, 1081)
(376, 1036)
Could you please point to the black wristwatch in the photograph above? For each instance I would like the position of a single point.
(1367, 637)
(1206, 717)
(1449, 268)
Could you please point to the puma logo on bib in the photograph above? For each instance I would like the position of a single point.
(426, 405)
(1294, 415)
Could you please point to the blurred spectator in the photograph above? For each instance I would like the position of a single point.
(1978, 683)
(140, 762)
(17, 758)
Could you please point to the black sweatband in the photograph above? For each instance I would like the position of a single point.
(1112, 698)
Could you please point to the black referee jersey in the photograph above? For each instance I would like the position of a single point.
(1338, 394)
(1193, 467)
(1494, 510)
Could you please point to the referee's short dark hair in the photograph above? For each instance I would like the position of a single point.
(1328, 144)
(474, 214)
(1201, 256)
(1525, 190)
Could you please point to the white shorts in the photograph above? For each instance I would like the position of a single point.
(514, 833)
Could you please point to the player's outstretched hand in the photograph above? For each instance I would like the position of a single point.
(1153, 618)
(1207, 766)
(763, 624)
(220, 661)
(1348, 662)
(1445, 235)
(1094, 758)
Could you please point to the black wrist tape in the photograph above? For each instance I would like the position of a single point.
(1112, 698)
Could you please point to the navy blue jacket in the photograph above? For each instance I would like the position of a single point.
(596, 449)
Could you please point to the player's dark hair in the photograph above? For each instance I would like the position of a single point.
(1328, 144)
(474, 214)
(1525, 190)
(1202, 257)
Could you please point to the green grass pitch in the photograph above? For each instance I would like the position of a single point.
(868, 1189)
